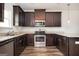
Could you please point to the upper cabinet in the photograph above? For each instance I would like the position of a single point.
(29, 19)
(18, 16)
(39, 14)
(1, 12)
(21, 18)
(53, 19)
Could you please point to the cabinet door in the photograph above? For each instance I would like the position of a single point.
(64, 45)
(53, 19)
(58, 42)
(49, 19)
(73, 47)
(15, 15)
(30, 40)
(57, 19)
(50, 40)
(7, 49)
(1, 12)
(29, 19)
(18, 16)
(24, 40)
(21, 19)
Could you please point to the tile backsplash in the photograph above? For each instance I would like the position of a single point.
(31, 29)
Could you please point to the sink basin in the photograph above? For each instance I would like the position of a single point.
(8, 34)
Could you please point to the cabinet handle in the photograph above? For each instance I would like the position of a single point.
(76, 42)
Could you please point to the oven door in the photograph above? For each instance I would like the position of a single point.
(39, 40)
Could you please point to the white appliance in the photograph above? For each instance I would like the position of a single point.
(40, 23)
(40, 40)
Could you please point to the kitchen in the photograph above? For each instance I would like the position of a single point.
(49, 29)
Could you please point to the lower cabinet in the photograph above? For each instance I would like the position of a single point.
(7, 49)
(62, 44)
(69, 46)
(19, 45)
(74, 46)
(14, 46)
(50, 40)
(30, 39)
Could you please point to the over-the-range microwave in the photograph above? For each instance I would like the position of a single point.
(39, 23)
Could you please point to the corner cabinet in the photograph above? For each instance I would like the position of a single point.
(69, 46)
(20, 44)
(1, 12)
(18, 16)
(53, 19)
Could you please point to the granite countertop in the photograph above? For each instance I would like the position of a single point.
(69, 34)
(3, 38)
(65, 34)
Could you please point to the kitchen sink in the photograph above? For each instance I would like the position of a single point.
(9, 34)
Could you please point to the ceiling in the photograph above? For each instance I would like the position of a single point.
(47, 6)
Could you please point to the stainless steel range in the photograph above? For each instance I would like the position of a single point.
(40, 39)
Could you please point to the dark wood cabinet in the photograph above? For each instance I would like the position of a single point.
(13, 46)
(18, 16)
(21, 18)
(7, 49)
(30, 40)
(19, 44)
(73, 46)
(39, 14)
(29, 19)
(62, 44)
(49, 19)
(50, 40)
(57, 41)
(53, 19)
(1, 12)
(67, 45)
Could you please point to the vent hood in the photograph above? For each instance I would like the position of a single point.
(40, 14)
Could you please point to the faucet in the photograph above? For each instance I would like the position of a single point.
(10, 32)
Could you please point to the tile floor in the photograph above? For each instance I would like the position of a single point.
(47, 51)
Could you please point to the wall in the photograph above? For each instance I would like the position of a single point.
(71, 25)
(69, 20)
(8, 15)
